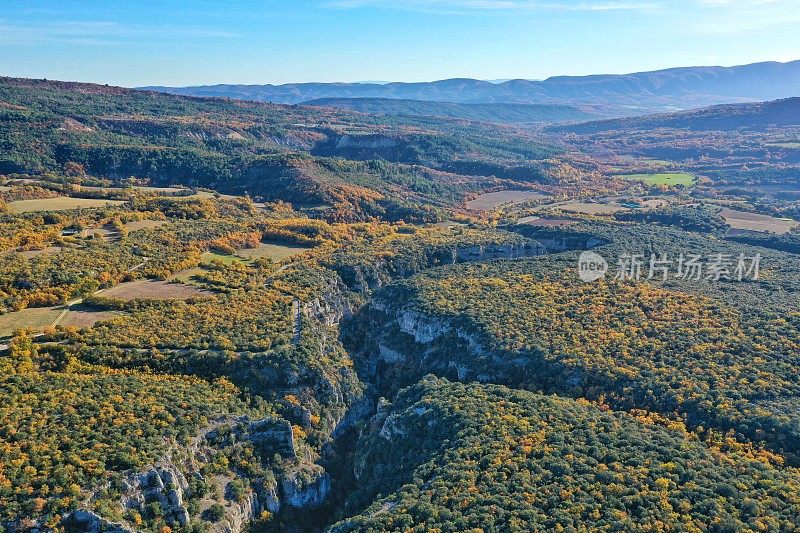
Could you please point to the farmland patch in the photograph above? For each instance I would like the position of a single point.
(276, 252)
(756, 222)
(666, 178)
(492, 200)
(60, 203)
(153, 290)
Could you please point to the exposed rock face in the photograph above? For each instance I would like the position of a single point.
(366, 278)
(82, 521)
(423, 328)
(272, 502)
(399, 345)
(391, 428)
(164, 484)
(306, 487)
(390, 356)
(331, 307)
(499, 251)
(572, 242)
(238, 515)
(360, 410)
(277, 433)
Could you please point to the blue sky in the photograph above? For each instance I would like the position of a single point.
(187, 42)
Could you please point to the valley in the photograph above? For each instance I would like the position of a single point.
(228, 315)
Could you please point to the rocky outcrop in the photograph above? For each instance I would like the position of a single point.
(83, 521)
(397, 345)
(276, 433)
(238, 515)
(331, 307)
(371, 142)
(422, 327)
(489, 252)
(363, 278)
(358, 411)
(391, 428)
(164, 485)
(306, 487)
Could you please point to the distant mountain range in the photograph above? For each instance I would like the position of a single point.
(662, 90)
(752, 116)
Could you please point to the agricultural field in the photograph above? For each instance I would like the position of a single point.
(34, 318)
(209, 257)
(41, 251)
(80, 316)
(545, 222)
(187, 275)
(276, 252)
(743, 220)
(63, 203)
(153, 290)
(159, 190)
(671, 179)
(587, 208)
(493, 200)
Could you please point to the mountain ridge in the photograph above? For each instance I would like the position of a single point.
(679, 87)
(722, 117)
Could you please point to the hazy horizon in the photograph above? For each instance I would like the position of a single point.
(492, 81)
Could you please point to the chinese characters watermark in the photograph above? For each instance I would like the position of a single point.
(662, 267)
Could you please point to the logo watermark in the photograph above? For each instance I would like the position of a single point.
(592, 266)
(690, 267)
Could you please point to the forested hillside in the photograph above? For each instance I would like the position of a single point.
(758, 116)
(457, 457)
(504, 113)
(305, 155)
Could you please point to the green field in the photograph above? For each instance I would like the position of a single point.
(208, 257)
(276, 252)
(671, 179)
(34, 318)
(61, 203)
(185, 276)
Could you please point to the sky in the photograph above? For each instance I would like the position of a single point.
(194, 42)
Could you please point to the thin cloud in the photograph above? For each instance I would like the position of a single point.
(734, 17)
(99, 33)
(456, 6)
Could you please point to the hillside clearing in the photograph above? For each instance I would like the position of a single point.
(153, 290)
(83, 317)
(592, 209)
(492, 200)
(545, 222)
(276, 252)
(756, 222)
(60, 203)
(671, 179)
(33, 318)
